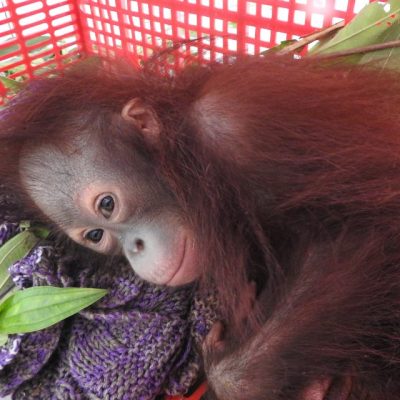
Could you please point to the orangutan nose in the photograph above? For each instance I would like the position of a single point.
(138, 246)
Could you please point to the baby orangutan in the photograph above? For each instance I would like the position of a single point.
(268, 170)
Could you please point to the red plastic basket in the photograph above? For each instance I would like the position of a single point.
(38, 35)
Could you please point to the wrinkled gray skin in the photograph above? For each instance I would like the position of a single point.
(143, 224)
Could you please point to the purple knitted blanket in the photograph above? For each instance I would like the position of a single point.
(136, 343)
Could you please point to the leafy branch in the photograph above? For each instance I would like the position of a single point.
(371, 39)
(37, 307)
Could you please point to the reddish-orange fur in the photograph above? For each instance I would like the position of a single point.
(289, 173)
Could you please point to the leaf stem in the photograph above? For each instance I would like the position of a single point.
(359, 50)
(305, 40)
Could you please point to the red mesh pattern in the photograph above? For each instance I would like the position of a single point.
(137, 27)
(37, 36)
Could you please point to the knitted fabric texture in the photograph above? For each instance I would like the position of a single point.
(137, 342)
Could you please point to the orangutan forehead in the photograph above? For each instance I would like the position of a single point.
(68, 170)
(44, 163)
(40, 167)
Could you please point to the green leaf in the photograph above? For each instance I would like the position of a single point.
(29, 42)
(39, 307)
(388, 58)
(4, 66)
(13, 250)
(11, 84)
(10, 49)
(24, 225)
(365, 29)
(3, 339)
(40, 232)
(279, 47)
(37, 40)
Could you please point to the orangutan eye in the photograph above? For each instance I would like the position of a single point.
(94, 235)
(106, 206)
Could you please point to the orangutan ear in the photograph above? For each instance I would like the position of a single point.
(143, 117)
